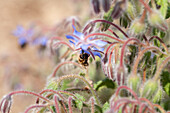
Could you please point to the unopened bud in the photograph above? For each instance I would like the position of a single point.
(52, 85)
(106, 5)
(150, 88)
(118, 10)
(134, 82)
(137, 27)
(5, 104)
(158, 96)
(130, 11)
(120, 76)
(156, 19)
(96, 6)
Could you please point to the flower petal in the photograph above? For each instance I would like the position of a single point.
(97, 54)
(78, 34)
(22, 40)
(71, 37)
(19, 31)
(85, 46)
(99, 43)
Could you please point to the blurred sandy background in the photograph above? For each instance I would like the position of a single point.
(24, 68)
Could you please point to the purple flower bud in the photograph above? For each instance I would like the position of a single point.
(96, 6)
(118, 10)
(5, 104)
(106, 5)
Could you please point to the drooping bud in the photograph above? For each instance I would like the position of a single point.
(120, 76)
(118, 10)
(137, 27)
(130, 11)
(106, 5)
(96, 6)
(137, 7)
(149, 89)
(134, 82)
(156, 20)
(5, 104)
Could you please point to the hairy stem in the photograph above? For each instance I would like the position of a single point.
(56, 104)
(140, 55)
(69, 105)
(92, 105)
(105, 21)
(63, 63)
(146, 6)
(34, 106)
(160, 40)
(103, 34)
(159, 69)
(30, 93)
(124, 47)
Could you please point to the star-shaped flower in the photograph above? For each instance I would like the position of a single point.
(92, 45)
(23, 35)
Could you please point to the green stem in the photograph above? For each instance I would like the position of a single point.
(84, 80)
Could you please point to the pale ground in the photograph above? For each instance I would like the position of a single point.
(25, 67)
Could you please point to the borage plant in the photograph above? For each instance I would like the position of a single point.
(133, 57)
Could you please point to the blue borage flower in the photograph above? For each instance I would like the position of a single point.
(42, 40)
(92, 45)
(23, 35)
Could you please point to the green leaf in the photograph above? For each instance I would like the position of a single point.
(164, 7)
(167, 88)
(165, 81)
(79, 101)
(105, 107)
(168, 11)
(106, 82)
(107, 16)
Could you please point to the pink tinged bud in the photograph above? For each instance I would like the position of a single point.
(106, 5)
(96, 6)
(5, 104)
(120, 76)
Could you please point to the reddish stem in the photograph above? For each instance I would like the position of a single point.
(92, 105)
(124, 47)
(105, 21)
(146, 100)
(69, 105)
(109, 47)
(56, 104)
(65, 43)
(146, 6)
(30, 93)
(63, 63)
(51, 42)
(127, 88)
(113, 33)
(160, 40)
(34, 106)
(102, 34)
